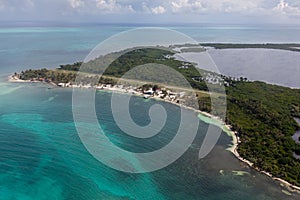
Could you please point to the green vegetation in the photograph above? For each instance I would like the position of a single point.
(71, 67)
(290, 47)
(262, 114)
(138, 57)
(192, 49)
(46, 75)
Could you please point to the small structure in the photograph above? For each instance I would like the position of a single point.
(168, 56)
(61, 85)
(183, 67)
(149, 92)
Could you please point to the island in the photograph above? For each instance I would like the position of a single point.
(261, 116)
(283, 46)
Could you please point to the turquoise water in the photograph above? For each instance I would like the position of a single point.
(42, 156)
(26, 47)
(35, 47)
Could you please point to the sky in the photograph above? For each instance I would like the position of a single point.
(152, 11)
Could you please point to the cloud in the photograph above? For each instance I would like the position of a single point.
(186, 6)
(200, 6)
(145, 8)
(2, 6)
(285, 9)
(100, 7)
(135, 10)
(76, 3)
(158, 10)
(112, 6)
(14, 5)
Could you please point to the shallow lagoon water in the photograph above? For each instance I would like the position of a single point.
(42, 156)
(279, 67)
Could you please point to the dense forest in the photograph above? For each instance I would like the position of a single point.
(262, 114)
(116, 65)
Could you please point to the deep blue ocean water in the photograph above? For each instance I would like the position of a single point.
(42, 157)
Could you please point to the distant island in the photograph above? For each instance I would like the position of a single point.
(261, 115)
(287, 46)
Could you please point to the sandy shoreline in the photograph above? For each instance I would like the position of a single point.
(225, 127)
(14, 79)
